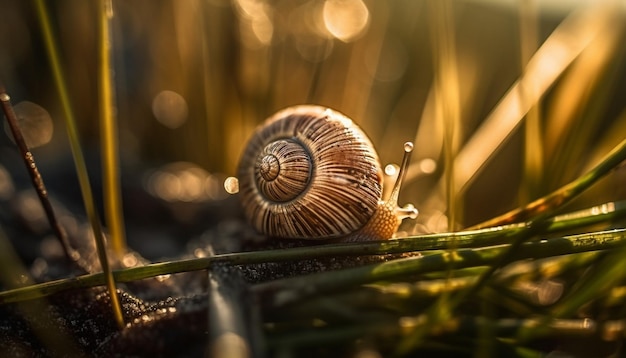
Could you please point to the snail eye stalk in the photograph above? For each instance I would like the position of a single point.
(408, 211)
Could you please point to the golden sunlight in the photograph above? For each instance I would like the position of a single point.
(346, 19)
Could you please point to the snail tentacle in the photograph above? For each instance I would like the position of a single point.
(389, 215)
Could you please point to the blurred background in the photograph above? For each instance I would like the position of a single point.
(505, 100)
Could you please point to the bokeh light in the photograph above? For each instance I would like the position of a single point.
(347, 20)
(256, 25)
(29, 208)
(6, 184)
(231, 185)
(184, 182)
(35, 124)
(391, 169)
(170, 109)
(428, 165)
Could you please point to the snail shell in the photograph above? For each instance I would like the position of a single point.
(310, 173)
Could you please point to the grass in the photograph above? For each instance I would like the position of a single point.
(518, 107)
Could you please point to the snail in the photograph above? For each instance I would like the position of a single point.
(309, 172)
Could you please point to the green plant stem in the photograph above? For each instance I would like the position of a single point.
(79, 160)
(546, 205)
(403, 297)
(476, 238)
(543, 208)
(446, 82)
(533, 139)
(608, 273)
(284, 291)
(316, 337)
(108, 127)
(506, 327)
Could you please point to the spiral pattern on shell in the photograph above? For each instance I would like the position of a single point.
(282, 170)
(309, 173)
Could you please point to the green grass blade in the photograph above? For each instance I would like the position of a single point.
(79, 159)
(108, 127)
(547, 204)
(425, 244)
(284, 291)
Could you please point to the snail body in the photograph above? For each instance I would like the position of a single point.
(309, 172)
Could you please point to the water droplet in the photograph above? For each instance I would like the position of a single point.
(162, 278)
(391, 169)
(129, 260)
(231, 184)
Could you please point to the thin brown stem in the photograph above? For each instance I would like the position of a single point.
(37, 180)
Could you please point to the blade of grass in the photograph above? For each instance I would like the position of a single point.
(447, 109)
(544, 208)
(423, 243)
(551, 60)
(284, 291)
(407, 298)
(316, 337)
(546, 205)
(79, 160)
(585, 95)
(108, 127)
(533, 140)
(608, 273)
(586, 242)
(447, 100)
